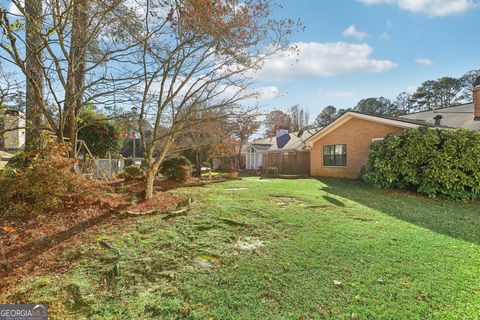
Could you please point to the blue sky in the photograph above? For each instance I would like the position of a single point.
(354, 49)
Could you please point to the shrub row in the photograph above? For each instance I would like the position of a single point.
(443, 163)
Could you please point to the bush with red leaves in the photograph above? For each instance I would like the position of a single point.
(47, 182)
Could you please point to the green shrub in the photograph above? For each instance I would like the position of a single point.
(102, 136)
(131, 172)
(444, 163)
(176, 167)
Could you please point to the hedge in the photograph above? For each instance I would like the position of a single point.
(436, 162)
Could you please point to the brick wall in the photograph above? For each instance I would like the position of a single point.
(357, 134)
(476, 101)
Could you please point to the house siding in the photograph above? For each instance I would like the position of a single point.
(357, 134)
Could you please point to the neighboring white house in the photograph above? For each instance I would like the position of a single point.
(14, 125)
(282, 142)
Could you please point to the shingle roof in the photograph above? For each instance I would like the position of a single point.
(289, 141)
(460, 116)
(413, 121)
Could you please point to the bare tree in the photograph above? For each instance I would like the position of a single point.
(300, 117)
(83, 45)
(243, 128)
(196, 58)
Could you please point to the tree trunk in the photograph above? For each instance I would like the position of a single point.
(34, 67)
(2, 127)
(149, 180)
(198, 164)
(76, 72)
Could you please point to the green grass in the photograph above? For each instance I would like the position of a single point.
(331, 250)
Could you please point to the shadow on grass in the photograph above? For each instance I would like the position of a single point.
(454, 219)
(334, 201)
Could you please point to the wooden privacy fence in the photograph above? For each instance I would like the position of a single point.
(287, 163)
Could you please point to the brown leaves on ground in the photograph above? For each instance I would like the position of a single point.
(34, 246)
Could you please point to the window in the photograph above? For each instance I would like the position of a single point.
(378, 140)
(335, 155)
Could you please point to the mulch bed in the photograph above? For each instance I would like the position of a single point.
(34, 246)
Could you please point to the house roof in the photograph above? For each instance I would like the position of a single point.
(289, 141)
(461, 116)
(397, 122)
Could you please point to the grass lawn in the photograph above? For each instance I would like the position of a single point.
(278, 249)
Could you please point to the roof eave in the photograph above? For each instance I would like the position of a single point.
(349, 115)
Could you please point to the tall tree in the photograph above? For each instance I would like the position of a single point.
(376, 106)
(275, 120)
(424, 97)
(300, 118)
(84, 46)
(194, 59)
(441, 93)
(467, 83)
(328, 115)
(34, 67)
(403, 103)
(447, 92)
(76, 71)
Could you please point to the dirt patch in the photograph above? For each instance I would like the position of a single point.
(249, 243)
(206, 263)
(36, 246)
(286, 201)
(161, 201)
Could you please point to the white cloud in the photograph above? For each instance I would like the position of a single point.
(430, 7)
(424, 61)
(268, 93)
(385, 36)
(353, 32)
(317, 60)
(335, 94)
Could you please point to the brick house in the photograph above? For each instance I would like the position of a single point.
(341, 148)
